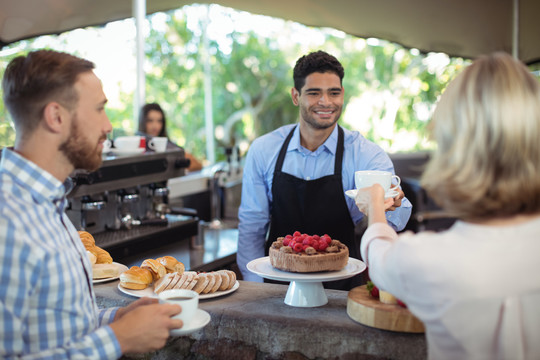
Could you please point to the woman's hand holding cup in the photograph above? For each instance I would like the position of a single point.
(367, 196)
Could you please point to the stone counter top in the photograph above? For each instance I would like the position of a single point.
(254, 323)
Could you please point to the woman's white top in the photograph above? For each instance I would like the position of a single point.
(475, 287)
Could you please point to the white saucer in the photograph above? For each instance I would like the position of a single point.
(389, 194)
(127, 151)
(200, 320)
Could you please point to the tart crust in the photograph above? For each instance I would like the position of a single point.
(286, 260)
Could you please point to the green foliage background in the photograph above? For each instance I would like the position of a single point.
(252, 78)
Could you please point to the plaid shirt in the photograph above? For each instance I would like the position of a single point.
(47, 303)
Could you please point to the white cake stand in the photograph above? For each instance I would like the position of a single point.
(305, 289)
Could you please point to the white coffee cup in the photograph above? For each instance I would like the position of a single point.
(106, 146)
(127, 142)
(367, 178)
(158, 144)
(187, 299)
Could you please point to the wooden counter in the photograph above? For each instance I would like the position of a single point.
(255, 323)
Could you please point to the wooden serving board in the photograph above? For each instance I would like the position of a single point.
(367, 310)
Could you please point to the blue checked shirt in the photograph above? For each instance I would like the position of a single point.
(255, 208)
(47, 303)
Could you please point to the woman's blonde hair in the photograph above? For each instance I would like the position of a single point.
(487, 127)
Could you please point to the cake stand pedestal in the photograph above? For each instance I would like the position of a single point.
(305, 289)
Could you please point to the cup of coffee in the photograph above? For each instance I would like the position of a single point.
(187, 299)
(367, 178)
(127, 142)
(158, 144)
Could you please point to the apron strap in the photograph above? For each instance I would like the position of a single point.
(283, 151)
(339, 152)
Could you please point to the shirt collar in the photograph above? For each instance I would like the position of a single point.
(329, 145)
(41, 184)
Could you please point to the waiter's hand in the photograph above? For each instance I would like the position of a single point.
(396, 200)
(374, 195)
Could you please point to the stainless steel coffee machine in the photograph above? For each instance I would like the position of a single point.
(125, 202)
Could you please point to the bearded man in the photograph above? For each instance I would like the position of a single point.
(48, 307)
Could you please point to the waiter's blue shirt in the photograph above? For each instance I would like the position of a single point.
(255, 208)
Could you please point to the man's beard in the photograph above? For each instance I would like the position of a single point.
(310, 119)
(79, 151)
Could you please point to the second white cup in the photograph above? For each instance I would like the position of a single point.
(158, 144)
(187, 299)
(367, 178)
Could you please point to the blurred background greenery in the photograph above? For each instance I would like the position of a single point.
(390, 91)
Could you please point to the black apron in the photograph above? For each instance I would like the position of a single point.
(313, 207)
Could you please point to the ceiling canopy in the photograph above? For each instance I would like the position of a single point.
(462, 28)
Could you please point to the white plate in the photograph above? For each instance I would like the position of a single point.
(263, 268)
(149, 292)
(127, 151)
(200, 320)
(120, 269)
(389, 194)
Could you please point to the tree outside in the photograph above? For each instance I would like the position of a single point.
(390, 91)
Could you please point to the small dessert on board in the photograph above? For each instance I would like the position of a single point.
(364, 305)
(384, 296)
(305, 253)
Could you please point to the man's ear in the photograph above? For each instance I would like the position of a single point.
(294, 95)
(54, 117)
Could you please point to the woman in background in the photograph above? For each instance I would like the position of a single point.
(152, 123)
(475, 286)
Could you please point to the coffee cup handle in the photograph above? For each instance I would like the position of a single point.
(107, 144)
(397, 179)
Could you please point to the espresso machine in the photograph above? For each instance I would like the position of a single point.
(124, 204)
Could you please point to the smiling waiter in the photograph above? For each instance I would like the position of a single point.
(295, 177)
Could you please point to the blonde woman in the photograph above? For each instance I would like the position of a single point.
(475, 286)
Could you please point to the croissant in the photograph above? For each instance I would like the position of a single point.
(171, 264)
(102, 256)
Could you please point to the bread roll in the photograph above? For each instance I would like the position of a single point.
(163, 282)
(157, 269)
(202, 283)
(186, 277)
(103, 257)
(176, 278)
(136, 278)
(87, 239)
(211, 283)
(103, 271)
(217, 284)
(224, 280)
(92, 257)
(232, 278)
(191, 284)
(171, 264)
(179, 268)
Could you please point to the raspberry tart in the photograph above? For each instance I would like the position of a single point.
(304, 253)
